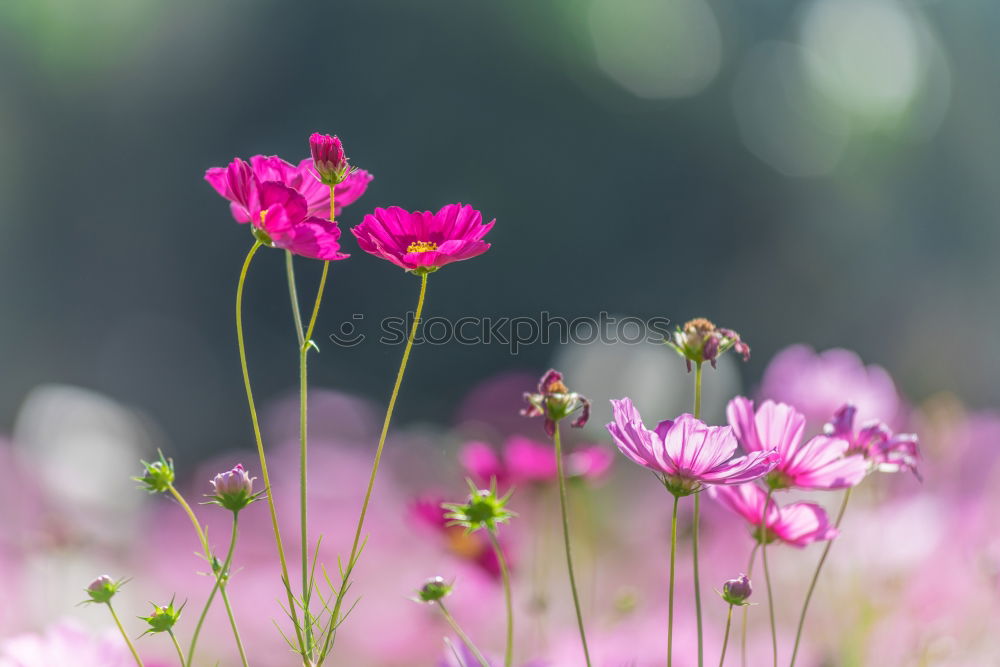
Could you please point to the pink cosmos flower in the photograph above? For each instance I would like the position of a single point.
(279, 214)
(526, 461)
(422, 241)
(819, 383)
(304, 179)
(819, 464)
(797, 524)
(875, 442)
(471, 547)
(685, 451)
(329, 159)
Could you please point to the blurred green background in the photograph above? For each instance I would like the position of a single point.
(819, 171)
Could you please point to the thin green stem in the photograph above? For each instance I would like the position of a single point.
(222, 582)
(725, 637)
(746, 609)
(304, 344)
(457, 629)
(121, 629)
(293, 295)
(508, 654)
(815, 578)
(670, 603)
(180, 653)
(561, 476)
(767, 579)
(694, 529)
(352, 559)
(260, 451)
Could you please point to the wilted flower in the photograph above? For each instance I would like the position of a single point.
(483, 509)
(103, 588)
(328, 158)
(736, 591)
(434, 589)
(233, 489)
(159, 475)
(555, 402)
(797, 524)
(687, 453)
(699, 341)
(875, 442)
(819, 464)
(163, 618)
(421, 241)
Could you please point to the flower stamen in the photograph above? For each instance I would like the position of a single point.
(422, 246)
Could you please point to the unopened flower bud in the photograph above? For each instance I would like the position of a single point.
(736, 591)
(233, 489)
(483, 509)
(328, 158)
(103, 589)
(163, 618)
(159, 475)
(434, 589)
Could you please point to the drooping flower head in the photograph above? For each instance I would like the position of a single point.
(821, 463)
(699, 341)
(329, 159)
(875, 442)
(687, 453)
(736, 591)
(233, 489)
(421, 241)
(796, 524)
(555, 402)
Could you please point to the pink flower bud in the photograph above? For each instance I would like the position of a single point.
(328, 158)
(736, 591)
(233, 488)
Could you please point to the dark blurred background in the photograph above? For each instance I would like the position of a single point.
(801, 171)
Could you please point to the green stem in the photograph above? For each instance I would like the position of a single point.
(260, 451)
(694, 529)
(746, 609)
(352, 560)
(121, 629)
(767, 579)
(725, 637)
(305, 344)
(670, 603)
(508, 655)
(180, 653)
(815, 578)
(293, 295)
(457, 629)
(561, 476)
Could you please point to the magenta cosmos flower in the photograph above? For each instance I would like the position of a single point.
(797, 524)
(821, 463)
(526, 461)
(687, 453)
(422, 241)
(875, 442)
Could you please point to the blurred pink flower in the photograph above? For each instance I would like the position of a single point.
(67, 644)
(875, 442)
(819, 383)
(525, 460)
(819, 464)
(797, 524)
(237, 182)
(421, 240)
(472, 547)
(685, 451)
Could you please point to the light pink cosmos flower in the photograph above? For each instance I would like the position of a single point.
(422, 241)
(821, 463)
(686, 452)
(875, 442)
(797, 524)
(817, 383)
(523, 460)
(67, 644)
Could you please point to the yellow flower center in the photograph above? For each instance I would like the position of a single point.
(422, 246)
